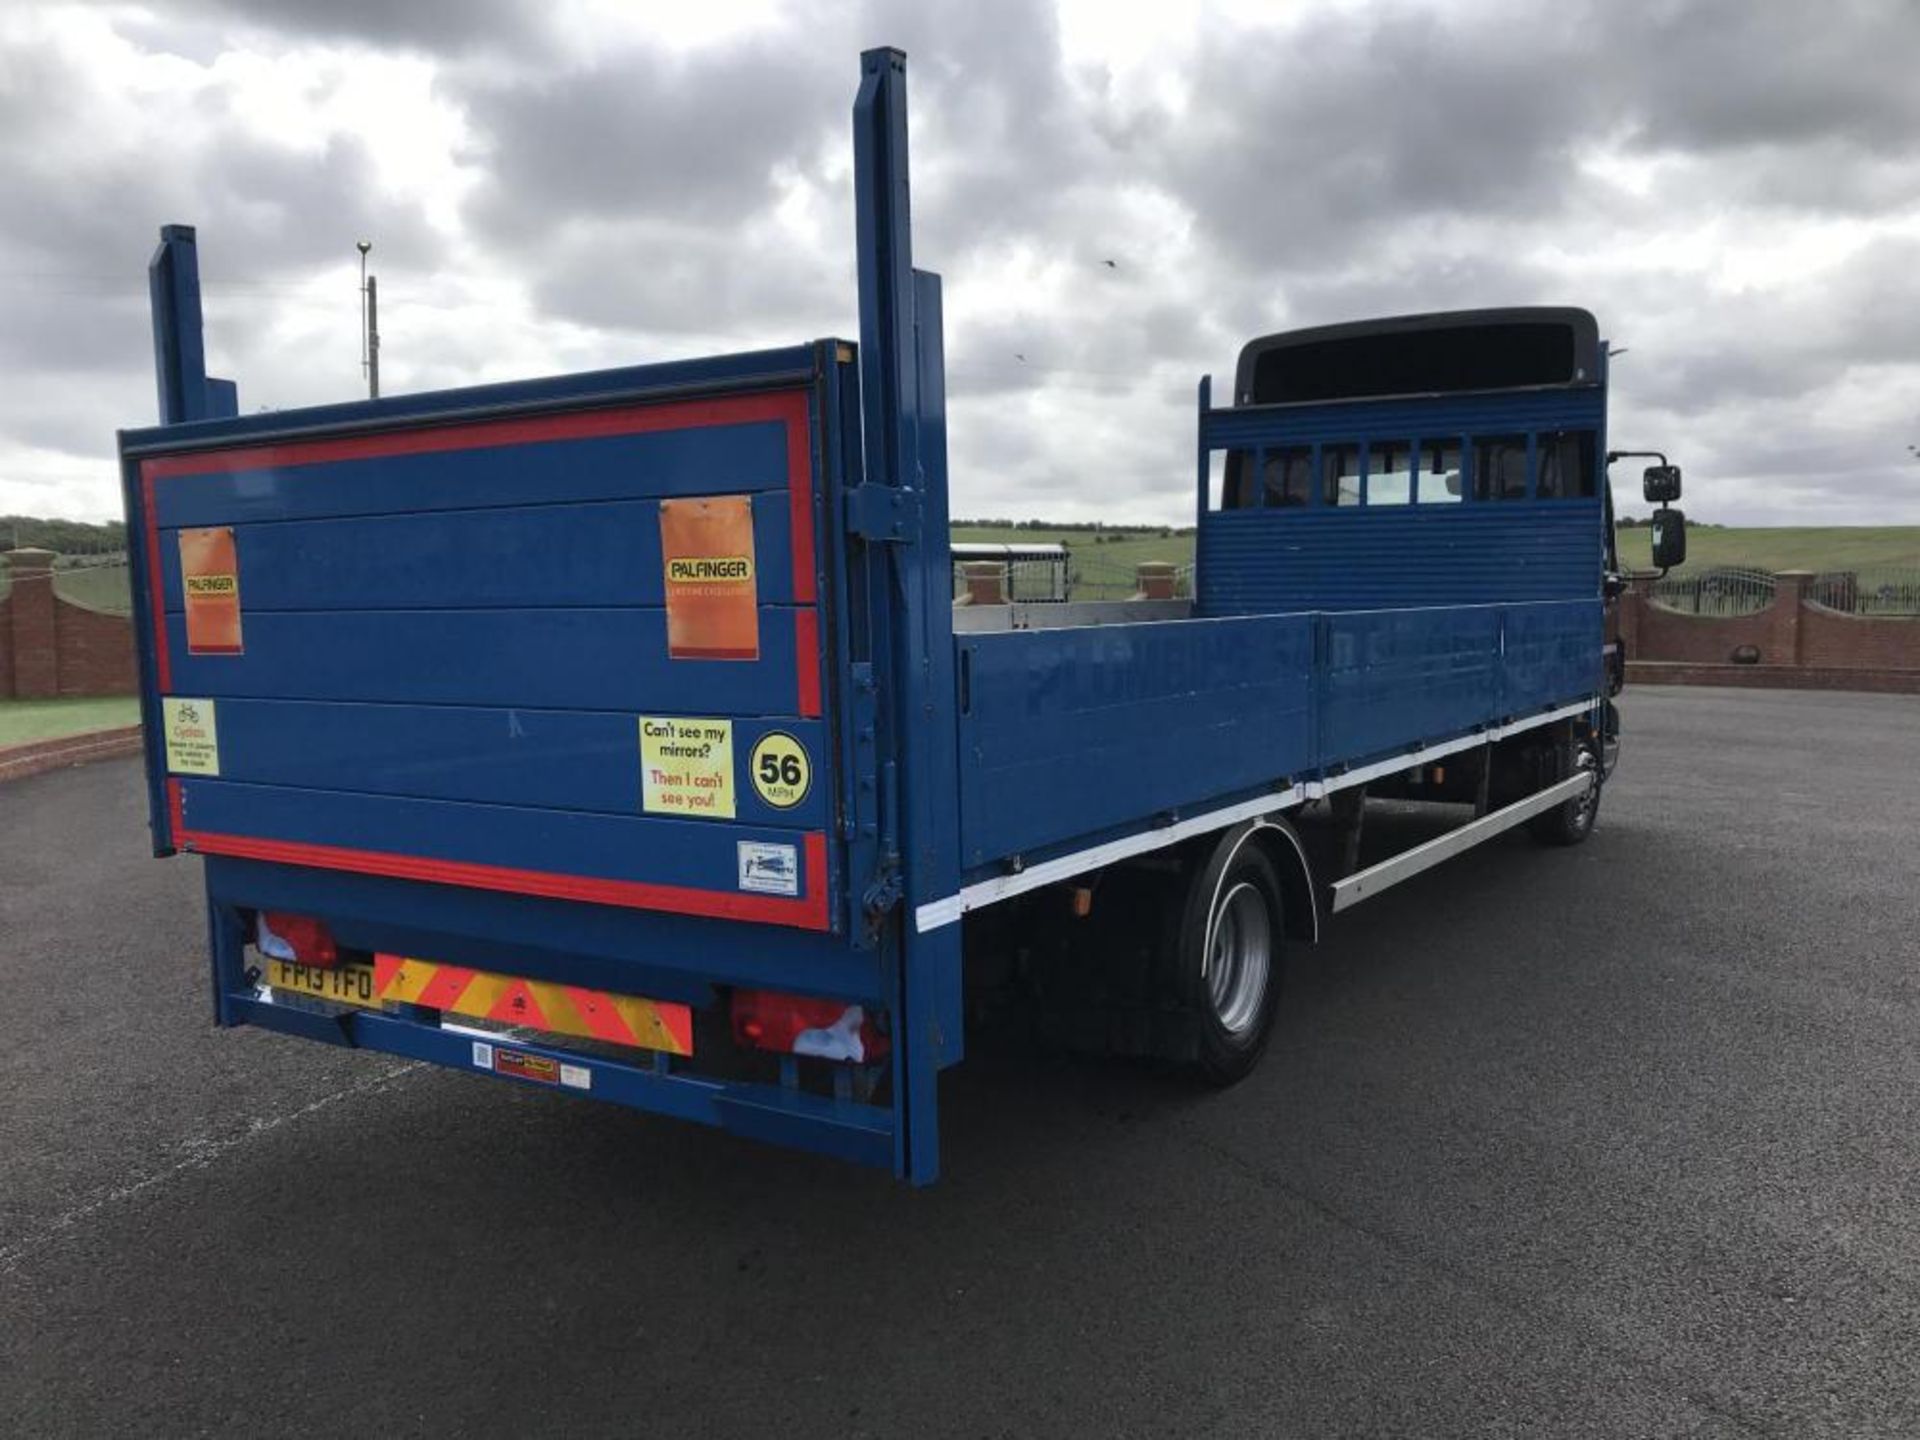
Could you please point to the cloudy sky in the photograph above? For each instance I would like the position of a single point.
(1733, 186)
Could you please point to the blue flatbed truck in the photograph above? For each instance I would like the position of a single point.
(617, 733)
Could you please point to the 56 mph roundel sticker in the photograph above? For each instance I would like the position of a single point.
(781, 772)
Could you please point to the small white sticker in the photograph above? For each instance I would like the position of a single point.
(482, 1055)
(769, 869)
(577, 1077)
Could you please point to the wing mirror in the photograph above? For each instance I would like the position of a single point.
(1660, 484)
(1669, 536)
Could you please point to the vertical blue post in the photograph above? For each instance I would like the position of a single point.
(903, 404)
(1204, 456)
(179, 349)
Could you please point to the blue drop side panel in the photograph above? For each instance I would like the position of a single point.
(1074, 736)
(650, 849)
(570, 659)
(1395, 679)
(1552, 654)
(1067, 732)
(554, 759)
(594, 553)
(705, 460)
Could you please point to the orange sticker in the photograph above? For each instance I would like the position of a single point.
(713, 602)
(210, 571)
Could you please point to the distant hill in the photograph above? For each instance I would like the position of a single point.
(1827, 547)
(68, 537)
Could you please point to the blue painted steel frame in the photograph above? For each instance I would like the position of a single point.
(902, 380)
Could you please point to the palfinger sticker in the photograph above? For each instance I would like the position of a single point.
(210, 577)
(192, 736)
(686, 767)
(780, 770)
(713, 600)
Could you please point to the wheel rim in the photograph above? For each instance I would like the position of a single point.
(1239, 959)
(1588, 800)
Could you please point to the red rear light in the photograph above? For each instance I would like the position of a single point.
(299, 938)
(802, 1025)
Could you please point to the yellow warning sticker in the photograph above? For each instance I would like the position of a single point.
(193, 740)
(781, 772)
(686, 767)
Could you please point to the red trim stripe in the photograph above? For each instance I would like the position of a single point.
(806, 660)
(156, 594)
(807, 912)
(800, 503)
(789, 406)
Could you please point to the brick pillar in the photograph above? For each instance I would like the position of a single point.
(1783, 619)
(1633, 609)
(36, 651)
(1155, 579)
(986, 582)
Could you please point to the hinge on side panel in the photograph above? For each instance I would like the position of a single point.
(882, 894)
(883, 514)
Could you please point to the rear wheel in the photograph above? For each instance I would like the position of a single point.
(1227, 960)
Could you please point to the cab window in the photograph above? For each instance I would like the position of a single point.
(1500, 467)
(1440, 473)
(1389, 473)
(1566, 465)
(1339, 474)
(1287, 476)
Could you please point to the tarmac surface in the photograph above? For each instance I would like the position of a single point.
(1622, 1140)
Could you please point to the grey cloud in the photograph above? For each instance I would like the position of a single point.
(442, 26)
(1406, 157)
(1731, 74)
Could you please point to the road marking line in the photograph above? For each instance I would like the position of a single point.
(205, 1152)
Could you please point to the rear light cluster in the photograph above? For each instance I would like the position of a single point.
(297, 938)
(802, 1025)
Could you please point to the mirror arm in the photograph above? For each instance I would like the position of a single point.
(1613, 455)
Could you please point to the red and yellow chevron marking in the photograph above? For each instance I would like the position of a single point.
(536, 1004)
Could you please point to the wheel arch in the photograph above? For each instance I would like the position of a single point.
(1281, 844)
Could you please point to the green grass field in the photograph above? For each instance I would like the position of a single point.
(98, 587)
(1785, 548)
(1857, 547)
(25, 720)
(1103, 558)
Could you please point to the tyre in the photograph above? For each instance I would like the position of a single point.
(1227, 959)
(1571, 822)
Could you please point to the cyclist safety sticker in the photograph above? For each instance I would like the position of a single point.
(686, 767)
(193, 738)
(713, 600)
(781, 772)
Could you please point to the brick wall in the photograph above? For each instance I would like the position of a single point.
(50, 647)
(1791, 632)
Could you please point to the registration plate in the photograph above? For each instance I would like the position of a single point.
(343, 984)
